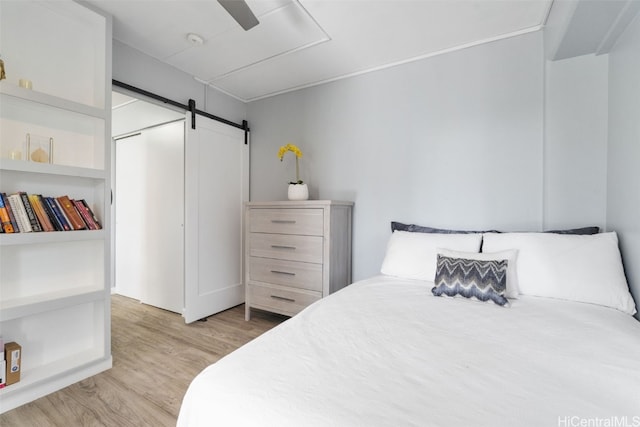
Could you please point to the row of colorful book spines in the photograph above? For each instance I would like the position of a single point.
(23, 213)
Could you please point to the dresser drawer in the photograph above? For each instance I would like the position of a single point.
(285, 301)
(286, 246)
(287, 221)
(296, 274)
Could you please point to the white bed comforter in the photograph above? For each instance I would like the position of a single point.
(385, 352)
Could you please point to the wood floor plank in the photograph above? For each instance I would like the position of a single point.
(155, 357)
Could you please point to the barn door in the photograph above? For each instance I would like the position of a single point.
(216, 187)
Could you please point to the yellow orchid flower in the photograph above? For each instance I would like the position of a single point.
(295, 150)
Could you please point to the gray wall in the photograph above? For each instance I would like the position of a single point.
(135, 68)
(487, 137)
(450, 141)
(623, 182)
(575, 142)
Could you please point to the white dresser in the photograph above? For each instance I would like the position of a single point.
(296, 253)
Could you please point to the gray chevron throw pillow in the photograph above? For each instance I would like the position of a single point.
(482, 280)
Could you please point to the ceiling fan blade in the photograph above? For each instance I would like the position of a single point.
(239, 10)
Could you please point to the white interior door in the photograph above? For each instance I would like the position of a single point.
(150, 216)
(164, 218)
(128, 224)
(216, 187)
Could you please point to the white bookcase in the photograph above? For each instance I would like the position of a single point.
(55, 286)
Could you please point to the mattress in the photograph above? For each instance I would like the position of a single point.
(386, 352)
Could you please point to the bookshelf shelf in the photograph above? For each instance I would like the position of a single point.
(50, 237)
(51, 169)
(77, 138)
(34, 304)
(9, 89)
(45, 378)
(32, 376)
(55, 285)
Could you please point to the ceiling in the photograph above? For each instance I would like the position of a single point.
(301, 43)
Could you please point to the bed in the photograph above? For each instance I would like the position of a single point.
(386, 351)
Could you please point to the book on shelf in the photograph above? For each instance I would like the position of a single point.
(7, 227)
(91, 217)
(35, 225)
(24, 213)
(84, 213)
(20, 212)
(57, 225)
(71, 212)
(56, 201)
(40, 213)
(57, 212)
(12, 216)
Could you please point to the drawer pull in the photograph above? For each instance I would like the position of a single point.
(283, 247)
(283, 272)
(283, 298)
(283, 221)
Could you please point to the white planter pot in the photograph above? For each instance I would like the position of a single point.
(298, 192)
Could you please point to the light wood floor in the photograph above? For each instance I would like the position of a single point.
(155, 357)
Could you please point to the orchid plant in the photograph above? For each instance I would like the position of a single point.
(295, 150)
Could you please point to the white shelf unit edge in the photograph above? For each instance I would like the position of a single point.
(51, 169)
(16, 308)
(46, 379)
(50, 100)
(50, 237)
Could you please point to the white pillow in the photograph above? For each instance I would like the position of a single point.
(585, 268)
(510, 255)
(415, 255)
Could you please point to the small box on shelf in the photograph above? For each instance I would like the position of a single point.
(13, 352)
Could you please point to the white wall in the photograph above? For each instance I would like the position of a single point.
(450, 141)
(575, 147)
(623, 182)
(140, 114)
(135, 68)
